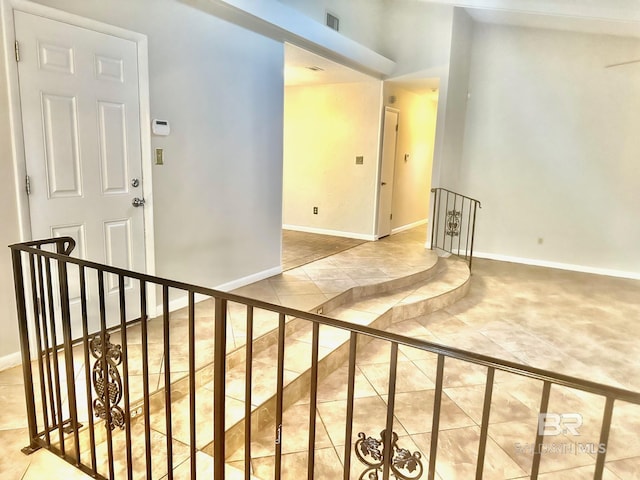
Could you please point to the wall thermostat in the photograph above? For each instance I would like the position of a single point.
(160, 127)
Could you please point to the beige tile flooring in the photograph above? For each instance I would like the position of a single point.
(579, 324)
(300, 248)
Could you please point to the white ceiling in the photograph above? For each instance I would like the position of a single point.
(605, 17)
(557, 22)
(612, 10)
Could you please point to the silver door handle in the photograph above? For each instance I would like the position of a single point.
(138, 202)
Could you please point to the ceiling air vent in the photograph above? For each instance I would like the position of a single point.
(333, 21)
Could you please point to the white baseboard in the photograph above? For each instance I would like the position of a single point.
(409, 226)
(335, 233)
(561, 266)
(11, 360)
(256, 277)
(182, 302)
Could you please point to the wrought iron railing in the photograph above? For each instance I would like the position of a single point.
(60, 379)
(453, 223)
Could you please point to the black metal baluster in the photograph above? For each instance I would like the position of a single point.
(460, 229)
(315, 340)
(247, 393)
(348, 436)
(24, 349)
(47, 348)
(219, 392)
(435, 425)
(54, 352)
(192, 384)
(167, 379)
(125, 373)
(105, 371)
(604, 438)
(145, 376)
(279, 396)
(484, 429)
(434, 218)
(446, 226)
(63, 284)
(473, 233)
(391, 402)
(36, 316)
(87, 365)
(453, 226)
(544, 405)
(467, 251)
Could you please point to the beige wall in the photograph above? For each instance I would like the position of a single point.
(416, 137)
(326, 127)
(551, 147)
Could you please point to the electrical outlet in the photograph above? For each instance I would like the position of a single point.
(315, 210)
(540, 241)
(159, 156)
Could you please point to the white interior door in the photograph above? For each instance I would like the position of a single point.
(387, 166)
(80, 110)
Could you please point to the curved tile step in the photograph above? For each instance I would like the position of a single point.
(443, 287)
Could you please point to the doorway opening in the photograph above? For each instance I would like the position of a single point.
(334, 141)
(416, 104)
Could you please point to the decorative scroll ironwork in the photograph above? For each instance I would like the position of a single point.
(107, 382)
(404, 464)
(453, 223)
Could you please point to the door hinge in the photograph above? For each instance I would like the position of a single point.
(391, 216)
(17, 48)
(27, 185)
(396, 123)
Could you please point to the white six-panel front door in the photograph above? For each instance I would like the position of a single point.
(80, 109)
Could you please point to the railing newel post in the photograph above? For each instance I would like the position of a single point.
(23, 329)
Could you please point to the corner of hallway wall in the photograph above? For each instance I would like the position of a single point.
(457, 94)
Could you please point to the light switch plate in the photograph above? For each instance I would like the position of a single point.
(359, 160)
(159, 156)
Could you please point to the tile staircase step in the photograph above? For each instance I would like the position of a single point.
(376, 305)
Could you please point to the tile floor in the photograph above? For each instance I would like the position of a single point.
(578, 324)
(300, 248)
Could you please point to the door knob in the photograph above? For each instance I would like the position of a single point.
(138, 202)
(383, 183)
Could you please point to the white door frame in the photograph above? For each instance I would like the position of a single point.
(15, 111)
(7, 7)
(380, 160)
